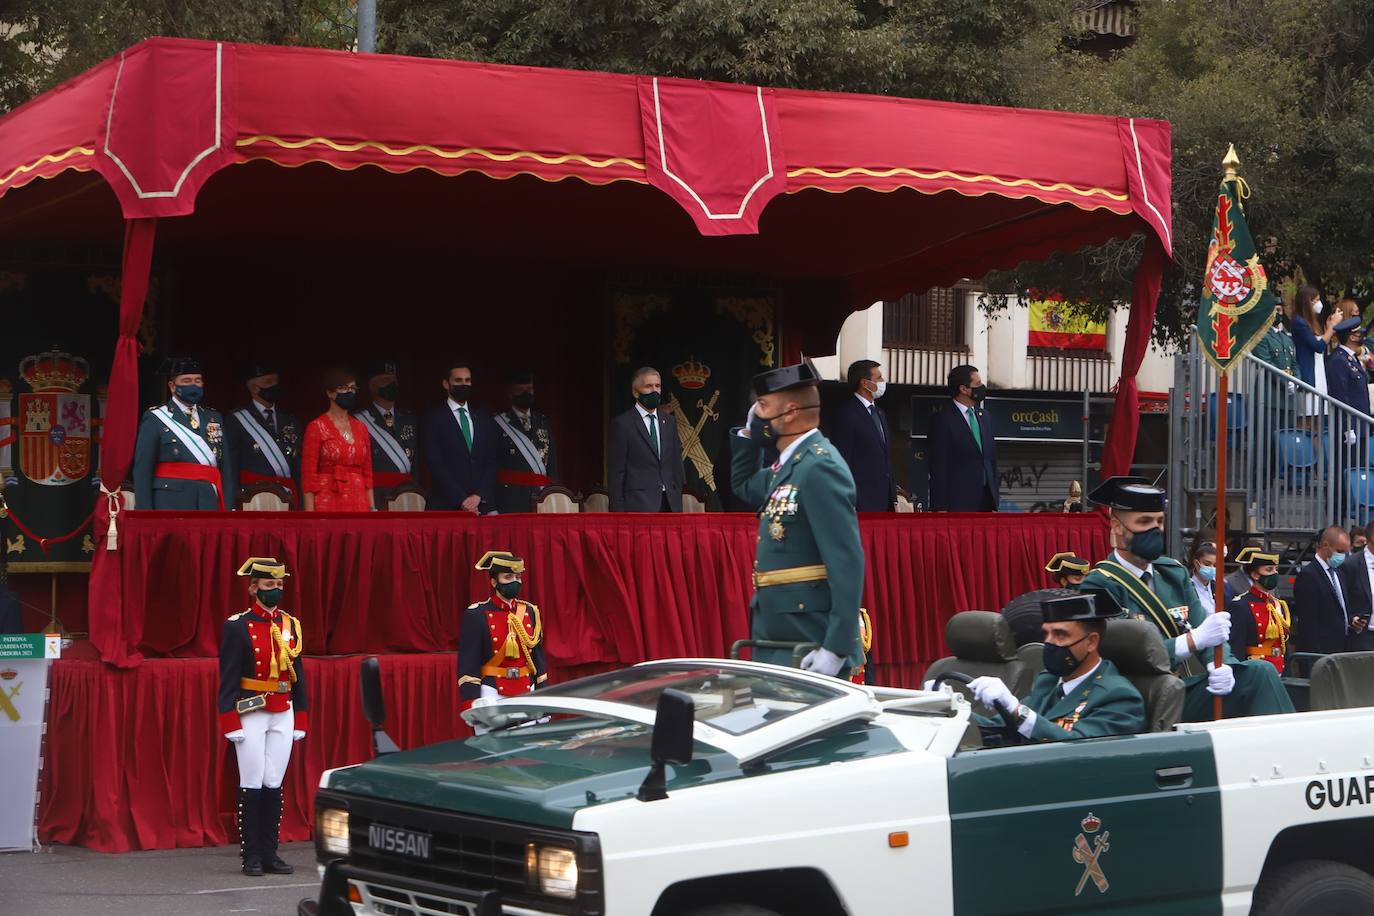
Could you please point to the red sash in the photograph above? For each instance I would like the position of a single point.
(388, 480)
(522, 478)
(251, 477)
(189, 470)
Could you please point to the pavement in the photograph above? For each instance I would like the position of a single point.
(68, 881)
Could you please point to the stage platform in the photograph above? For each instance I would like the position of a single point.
(133, 758)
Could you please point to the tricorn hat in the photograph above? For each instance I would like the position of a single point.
(1134, 494)
(1255, 556)
(254, 370)
(1088, 604)
(181, 365)
(1067, 562)
(802, 375)
(385, 367)
(496, 561)
(263, 568)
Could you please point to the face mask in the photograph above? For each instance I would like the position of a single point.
(1317, 307)
(524, 400)
(650, 400)
(978, 393)
(270, 393)
(346, 399)
(1060, 660)
(190, 394)
(762, 427)
(508, 590)
(460, 393)
(1148, 545)
(1336, 560)
(1206, 573)
(1269, 582)
(880, 390)
(388, 392)
(269, 597)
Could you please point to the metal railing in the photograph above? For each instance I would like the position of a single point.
(1070, 372)
(923, 366)
(1297, 460)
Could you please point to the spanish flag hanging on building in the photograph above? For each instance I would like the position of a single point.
(1053, 324)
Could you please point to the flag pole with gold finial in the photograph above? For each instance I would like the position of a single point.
(1231, 163)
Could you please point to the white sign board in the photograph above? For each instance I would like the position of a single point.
(24, 660)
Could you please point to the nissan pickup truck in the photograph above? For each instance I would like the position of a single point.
(707, 787)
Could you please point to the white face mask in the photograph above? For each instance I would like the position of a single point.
(1317, 306)
(881, 390)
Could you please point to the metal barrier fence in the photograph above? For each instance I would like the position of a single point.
(1297, 460)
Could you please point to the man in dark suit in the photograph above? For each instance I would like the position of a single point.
(461, 449)
(1320, 622)
(264, 439)
(1347, 382)
(961, 452)
(645, 459)
(859, 429)
(1357, 578)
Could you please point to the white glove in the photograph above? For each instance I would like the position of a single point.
(1292, 387)
(1213, 631)
(1220, 681)
(1350, 436)
(489, 691)
(297, 735)
(235, 736)
(748, 419)
(822, 661)
(990, 691)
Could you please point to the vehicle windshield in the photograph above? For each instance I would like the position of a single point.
(733, 701)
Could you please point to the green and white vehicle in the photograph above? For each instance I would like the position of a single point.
(724, 788)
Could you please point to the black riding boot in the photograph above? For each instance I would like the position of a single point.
(270, 827)
(250, 830)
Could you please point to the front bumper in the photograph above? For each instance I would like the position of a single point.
(392, 895)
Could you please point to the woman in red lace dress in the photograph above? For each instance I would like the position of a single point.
(336, 455)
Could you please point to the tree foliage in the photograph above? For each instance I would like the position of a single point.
(1290, 82)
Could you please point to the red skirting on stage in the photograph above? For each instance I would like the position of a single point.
(614, 589)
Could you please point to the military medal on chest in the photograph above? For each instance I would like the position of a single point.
(782, 502)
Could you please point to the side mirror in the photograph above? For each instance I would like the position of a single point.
(672, 741)
(374, 706)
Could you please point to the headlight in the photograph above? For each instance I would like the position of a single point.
(332, 828)
(552, 869)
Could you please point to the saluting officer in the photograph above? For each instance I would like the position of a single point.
(1079, 694)
(264, 439)
(501, 641)
(1153, 587)
(262, 708)
(809, 564)
(393, 432)
(1067, 569)
(180, 459)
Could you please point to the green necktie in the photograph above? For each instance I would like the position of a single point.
(977, 433)
(653, 432)
(467, 427)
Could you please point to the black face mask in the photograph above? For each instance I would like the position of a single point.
(524, 400)
(269, 597)
(1060, 660)
(270, 393)
(650, 400)
(978, 393)
(460, 393)
(388, 392)
(346, 399)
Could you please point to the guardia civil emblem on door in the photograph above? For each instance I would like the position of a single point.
(54, 420)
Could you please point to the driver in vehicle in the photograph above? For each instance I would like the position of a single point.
(1079, 694)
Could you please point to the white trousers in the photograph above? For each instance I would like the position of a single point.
(265, 749)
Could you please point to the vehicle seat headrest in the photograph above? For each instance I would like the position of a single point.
(980, 636)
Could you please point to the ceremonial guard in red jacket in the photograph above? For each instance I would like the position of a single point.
(501, 642)
(1260, 621)
(262, 708)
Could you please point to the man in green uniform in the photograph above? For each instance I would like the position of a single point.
(1079, 694)
(809, 565)
(1153, 587)
(180, 459)
(1276, 347)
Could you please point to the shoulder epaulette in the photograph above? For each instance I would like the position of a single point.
(475, 605)
(531, 605)
(238, 615)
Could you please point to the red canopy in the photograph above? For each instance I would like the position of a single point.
(670, 173)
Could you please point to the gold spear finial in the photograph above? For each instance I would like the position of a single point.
(1231, 162)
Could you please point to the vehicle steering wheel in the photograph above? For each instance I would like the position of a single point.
(1008, 723)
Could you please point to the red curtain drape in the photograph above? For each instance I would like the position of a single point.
(614, 589)
(134, 760)
(1119, 451)
(118, 431)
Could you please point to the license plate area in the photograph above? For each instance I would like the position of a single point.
(401, 841)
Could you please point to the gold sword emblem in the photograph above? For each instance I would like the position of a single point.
(1088, 858)
(7, 703)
